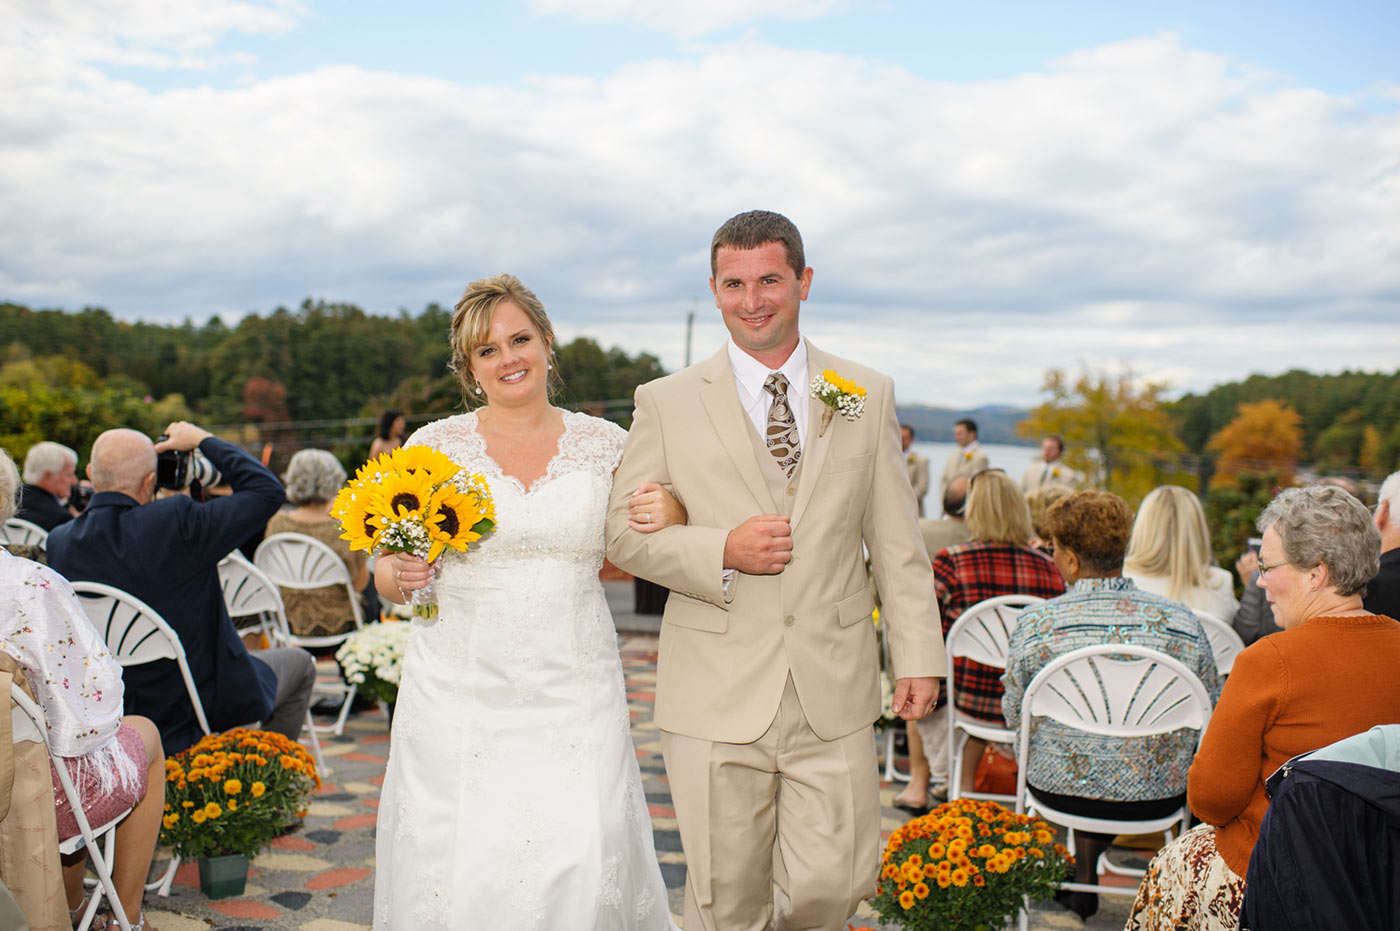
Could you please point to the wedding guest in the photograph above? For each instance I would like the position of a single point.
(115, 762)
(1169, 554)
(1070, 770)
(50, 473)
(1383, 592)
(1329, 674)
(390, 434)
(951, 528)
(1040, 502)
(313, 478)
(998, 561)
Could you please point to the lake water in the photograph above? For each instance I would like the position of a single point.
(1013, 459)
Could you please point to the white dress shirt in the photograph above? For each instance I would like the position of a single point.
(749, 376)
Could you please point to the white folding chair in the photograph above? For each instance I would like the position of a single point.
(298, 561)
(28, 724)
(1225, 642)
(892, 773)
(135, 634)
(22, 532)
(981, 634)
(249, 592)
(1117, 690)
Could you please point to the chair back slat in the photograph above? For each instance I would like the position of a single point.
(982, 632)
(248, 592)
(136, 634)
(300, 562)
(1225, 642)
(1118, 689)
(23, 533)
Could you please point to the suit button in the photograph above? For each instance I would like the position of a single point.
(789, 620)
(791, 491)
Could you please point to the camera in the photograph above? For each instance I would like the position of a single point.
(79, 497)
(177, 468)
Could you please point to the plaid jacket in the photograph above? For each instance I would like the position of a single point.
(971, 572)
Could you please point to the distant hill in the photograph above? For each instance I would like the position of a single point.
(996, 423)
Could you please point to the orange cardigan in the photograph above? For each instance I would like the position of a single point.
(1289, 693)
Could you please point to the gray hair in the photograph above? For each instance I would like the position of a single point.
(313, 476)
(47, 457)
(1390, 492)
(1323, 525)
(9, 486)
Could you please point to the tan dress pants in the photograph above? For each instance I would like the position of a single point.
(782, 833)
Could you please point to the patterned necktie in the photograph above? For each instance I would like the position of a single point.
(781, 435)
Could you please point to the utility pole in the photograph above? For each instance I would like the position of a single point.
(690, 328)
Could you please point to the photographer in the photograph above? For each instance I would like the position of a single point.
(166, 552)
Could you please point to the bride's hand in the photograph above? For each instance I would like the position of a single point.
(653, 508)
(396, 574)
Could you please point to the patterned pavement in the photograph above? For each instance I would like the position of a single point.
(320, 877)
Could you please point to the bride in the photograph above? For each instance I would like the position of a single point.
(513, 798)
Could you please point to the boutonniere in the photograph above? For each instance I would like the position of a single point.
(1055, 471)
(838, 394)
(967, 456)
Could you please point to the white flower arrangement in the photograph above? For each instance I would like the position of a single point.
(839, 395)
(372, 659)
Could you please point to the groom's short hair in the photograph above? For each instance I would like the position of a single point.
(756, 228)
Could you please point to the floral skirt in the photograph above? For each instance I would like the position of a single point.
(100, 808)
(1188, 887)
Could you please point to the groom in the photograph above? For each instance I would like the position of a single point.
(767, 679)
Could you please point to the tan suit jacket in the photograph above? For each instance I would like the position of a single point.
(960, 462)
(723, 664)
(1059, 474)
(918, 477)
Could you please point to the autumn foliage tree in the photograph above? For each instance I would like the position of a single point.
(1115, 429)
(1265, 436)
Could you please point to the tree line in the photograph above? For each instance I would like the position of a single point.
(321, 374)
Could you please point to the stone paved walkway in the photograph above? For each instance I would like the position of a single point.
(321, 876)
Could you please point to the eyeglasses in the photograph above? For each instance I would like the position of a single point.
(1266, 567)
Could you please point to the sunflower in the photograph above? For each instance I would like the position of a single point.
(360, 517)
(433, 464)
(453, 519)
(404, 495)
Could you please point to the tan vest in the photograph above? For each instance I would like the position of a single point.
(782, 488)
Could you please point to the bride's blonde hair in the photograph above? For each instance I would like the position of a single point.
(471, 325)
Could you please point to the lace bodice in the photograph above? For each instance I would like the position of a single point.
(542, 520)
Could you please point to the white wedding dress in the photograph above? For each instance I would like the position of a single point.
(513, 799)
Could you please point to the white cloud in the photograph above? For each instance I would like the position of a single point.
(1140, 202)
(688, 18)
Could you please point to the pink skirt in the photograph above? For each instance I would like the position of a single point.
(100, 808)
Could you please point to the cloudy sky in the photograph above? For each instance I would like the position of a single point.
(1199, 190)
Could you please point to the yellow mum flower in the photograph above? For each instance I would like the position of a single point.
(170, 820)
(960, 878)
(187, 804)
(906, 900)
(921, 890)
(257, 789)
(199, 817)
(233, 787)
(213, 810)
(232, 805)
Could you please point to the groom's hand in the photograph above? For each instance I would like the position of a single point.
(913, 698)
(761, 545)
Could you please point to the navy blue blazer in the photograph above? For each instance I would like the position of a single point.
(37, 506)
(167, 554)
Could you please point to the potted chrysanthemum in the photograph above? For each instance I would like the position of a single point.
(966, 866)
(228, 796)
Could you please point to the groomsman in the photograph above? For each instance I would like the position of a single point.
(967, 459)
(1048, 468)
(918, 465)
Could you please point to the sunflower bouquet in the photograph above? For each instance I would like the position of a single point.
(414, 500)
(234, 792)
(966, 866)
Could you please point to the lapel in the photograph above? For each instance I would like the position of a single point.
(815, 449)
(721, 400)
